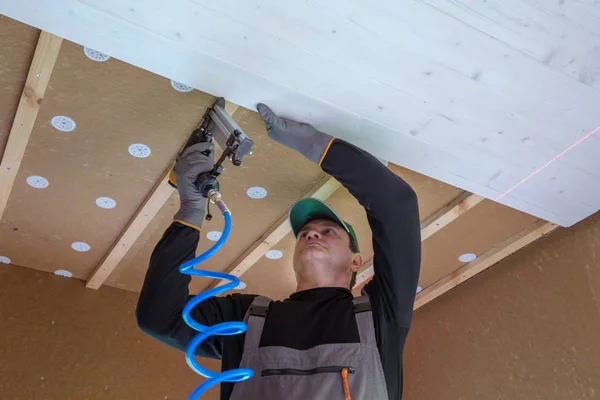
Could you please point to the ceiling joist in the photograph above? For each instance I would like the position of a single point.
(152, 205)
(432, 224)
(42, 65)
(438, 220)
(40, 158)
(489, 258)
(154, 202)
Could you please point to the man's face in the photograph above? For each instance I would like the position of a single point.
(323, 247)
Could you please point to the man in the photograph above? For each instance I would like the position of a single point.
(318, 343)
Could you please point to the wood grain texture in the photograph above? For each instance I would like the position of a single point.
(525, 329)
(486, 260)
(449, 213)
(136, 227)
(92, 345)
(476, 231)
(157, 198)
(285, 174)
(276, 278)
(17, 47)
(475, 104)
(432, 224)
(114, 105)
(322, 191)
(432, 194)
(32, 97)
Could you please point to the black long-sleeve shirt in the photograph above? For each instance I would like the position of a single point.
(311, 317)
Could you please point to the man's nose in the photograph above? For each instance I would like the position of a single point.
(313, 235)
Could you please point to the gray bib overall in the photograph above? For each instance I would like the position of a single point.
(341, 371)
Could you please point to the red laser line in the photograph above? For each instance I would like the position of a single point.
(548, 163)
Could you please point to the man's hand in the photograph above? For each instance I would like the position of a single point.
(191, 164)
(297, 136)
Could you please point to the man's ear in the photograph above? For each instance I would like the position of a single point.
(356, 262)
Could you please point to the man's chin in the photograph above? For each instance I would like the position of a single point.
(313, 249)
(312, 254)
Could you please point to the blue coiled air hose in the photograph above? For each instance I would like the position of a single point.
(224, 328)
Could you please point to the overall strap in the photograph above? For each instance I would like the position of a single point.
(364, 319)
(255, 318)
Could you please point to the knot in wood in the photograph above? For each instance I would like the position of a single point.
(28, 92)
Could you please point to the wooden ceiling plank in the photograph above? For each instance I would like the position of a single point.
(322, 191)
(42, 65)
(489, 258)
(151, 206)
(548, 103)
(432, 224)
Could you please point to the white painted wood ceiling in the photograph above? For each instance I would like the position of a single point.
(478, 94)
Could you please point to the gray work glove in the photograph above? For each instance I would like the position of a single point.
(191, 164)
(297, 136)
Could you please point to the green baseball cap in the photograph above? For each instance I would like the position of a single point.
(310, 209)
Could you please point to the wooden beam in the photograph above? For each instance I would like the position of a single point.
(42, 65)
(448, 213)
(322, 191)
(432, 224)
(151, 206)
(489, 258)
(365, 274)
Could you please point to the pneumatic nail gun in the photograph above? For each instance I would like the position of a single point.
(217, 124)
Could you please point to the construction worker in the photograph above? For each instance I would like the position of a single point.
(319, 343)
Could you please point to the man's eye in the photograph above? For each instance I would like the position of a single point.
(303, 235)
(328, 231)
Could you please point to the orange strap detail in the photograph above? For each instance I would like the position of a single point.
(345, 383)
(187, 224)
(326, 150)
(172, 179)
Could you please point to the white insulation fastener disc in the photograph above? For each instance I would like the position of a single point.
(63, 123)
(213, 235)
(95, 55)
(274, 254)
(38, 182)
(257, 192)
(180, 87)
(139, 150)
(80, 246)
(106, 203)
(467, 257)
(63, 272)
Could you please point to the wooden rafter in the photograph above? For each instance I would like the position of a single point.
(42, 65)
(432, 224)
(151, 206)
(322, 191)
(486, 260)
(451, 211)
